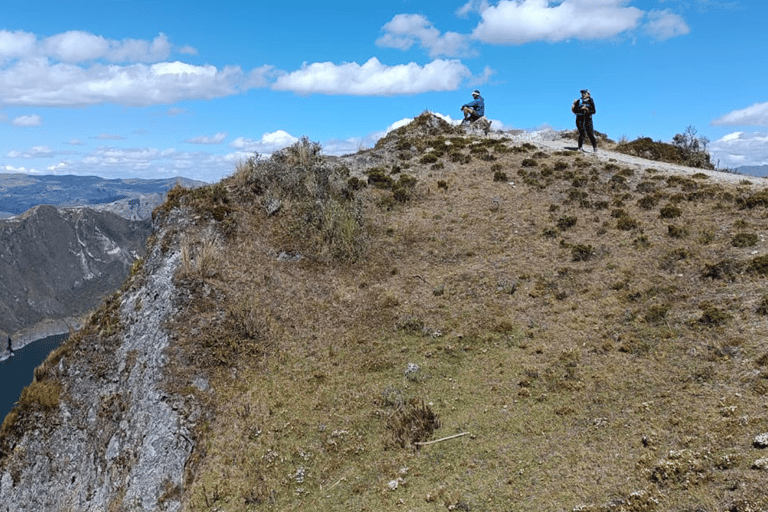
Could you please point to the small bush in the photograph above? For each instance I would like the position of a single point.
(648, 202)
(529, 162)
(676, 231)
(582, 252)
(412, 423)
(762, 308)
(626, 223)
(724, 269)
(744, 240)
(670, 212)
(566, 221)
(712, 316)
(500, 176)
(378, 178)
(429, 158)
(657, 313)
(755, 200)
(759, 265)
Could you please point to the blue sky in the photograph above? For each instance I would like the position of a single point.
(156, 88)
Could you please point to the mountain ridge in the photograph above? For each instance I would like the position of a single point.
(446, 321)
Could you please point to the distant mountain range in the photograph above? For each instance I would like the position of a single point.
(753, 170)
(65, 243)
(130, 198)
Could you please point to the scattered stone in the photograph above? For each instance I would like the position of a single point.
(761, 441)
(412, 372)
(761, 464)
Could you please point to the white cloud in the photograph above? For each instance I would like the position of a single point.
(34, 152)
(374, 78)
(16, 44)
(405, 30)
(269, 143)
(523, 21)
(33, 120)
(37, 82)
(78, 68)
(663, 25)
(740, 148)
(109, 136)
(204, 139)
(754, 115)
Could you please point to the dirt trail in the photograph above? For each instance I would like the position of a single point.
(551, 140)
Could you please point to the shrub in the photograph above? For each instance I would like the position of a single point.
(755, 200)
(566, 221)
(500, 176)
(582, 252)
(712, 316)
(759, 265)
(744, 240)
(429, 158)
(676, 231)
(724, 269)
(648, 202)
(529, 162)
(670, 212)
(412, 423)
(378, 178)
(657, 313)
(626, 223)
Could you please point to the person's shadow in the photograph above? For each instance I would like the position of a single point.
(571, 148)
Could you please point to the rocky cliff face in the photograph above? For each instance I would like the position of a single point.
(58, 264)
(98, 430)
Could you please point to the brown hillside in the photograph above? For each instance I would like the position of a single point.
(593, 335)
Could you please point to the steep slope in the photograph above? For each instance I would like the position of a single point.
(441, 322)
(58, 264)
(96, 431)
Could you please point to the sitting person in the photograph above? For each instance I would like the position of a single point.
(475, 109)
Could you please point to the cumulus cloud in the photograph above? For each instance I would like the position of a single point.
(38, 82)
(79, 46)
(77, 68)
(269, 143)
(374, 78)
(517, 22)
(33, 120)
(663, 25)
(754, 115)
(405, 30)
(740, 148)
(204, 139)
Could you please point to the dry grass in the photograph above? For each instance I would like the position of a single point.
(581, 325)
(596, 364)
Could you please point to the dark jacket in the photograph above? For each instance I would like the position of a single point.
(576, 108)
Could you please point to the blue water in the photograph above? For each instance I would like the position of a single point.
(16, 372)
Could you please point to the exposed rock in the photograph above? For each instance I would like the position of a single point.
(117, 440)
(478, 127)
(58, 264)
(761, 441)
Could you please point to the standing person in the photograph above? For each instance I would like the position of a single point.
(475, 109)
(584, 108)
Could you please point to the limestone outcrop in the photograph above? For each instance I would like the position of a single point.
(58, 264)
(112, 436)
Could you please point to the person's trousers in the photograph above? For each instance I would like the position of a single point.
(584, 125)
